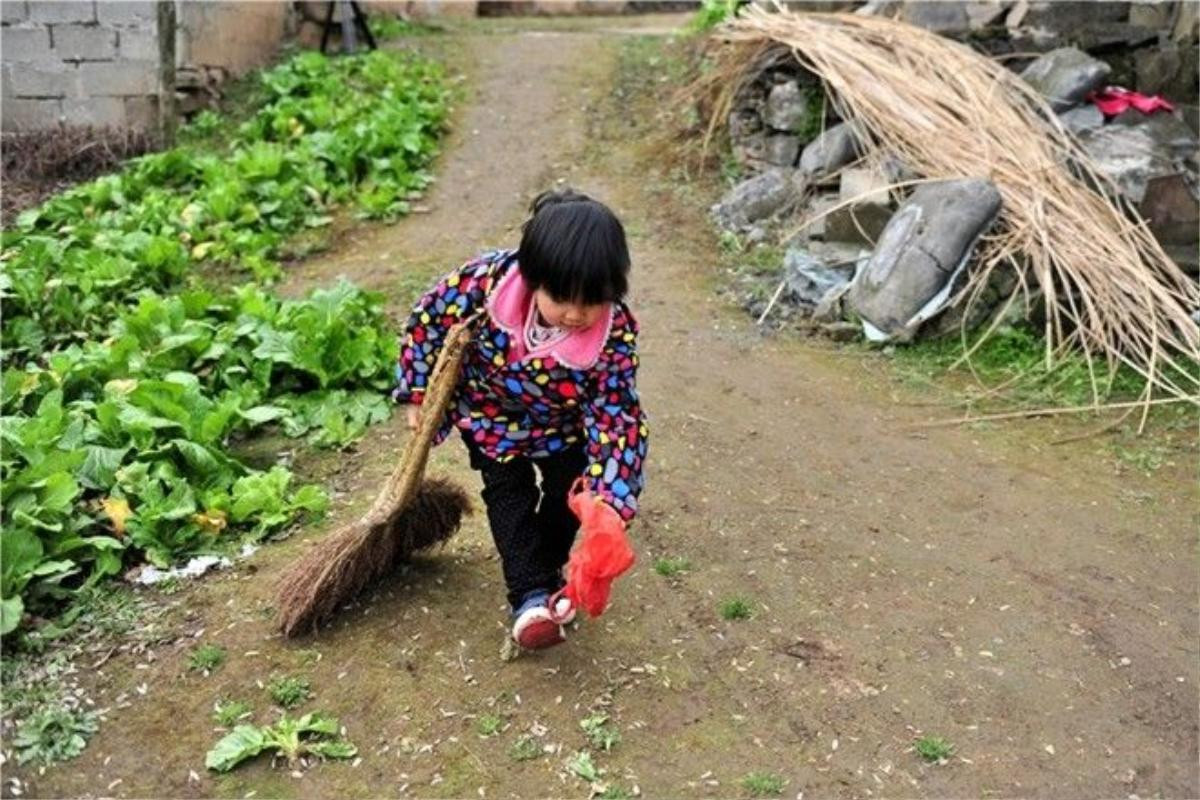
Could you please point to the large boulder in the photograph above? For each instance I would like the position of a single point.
(1065, 76)
(909, 276)
(757, 198)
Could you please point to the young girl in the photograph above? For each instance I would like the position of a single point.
(549, 383)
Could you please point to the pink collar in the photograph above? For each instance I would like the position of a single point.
(508, 305)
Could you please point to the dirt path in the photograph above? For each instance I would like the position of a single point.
(953, 583)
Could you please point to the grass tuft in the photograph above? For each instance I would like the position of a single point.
(735, 608)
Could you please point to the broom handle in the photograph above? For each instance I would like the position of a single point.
(442, 383)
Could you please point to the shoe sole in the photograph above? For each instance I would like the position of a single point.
(539, 633)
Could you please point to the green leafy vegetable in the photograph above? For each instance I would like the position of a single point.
(124, 381)
(312, 734)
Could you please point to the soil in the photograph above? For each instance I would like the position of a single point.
(1023, 601)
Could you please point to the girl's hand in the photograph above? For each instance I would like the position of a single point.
(414, 417)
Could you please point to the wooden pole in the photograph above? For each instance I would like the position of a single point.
(166, 73)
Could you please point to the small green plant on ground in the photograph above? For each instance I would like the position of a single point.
(489, 725)
(614, 792)
(1145, 457)
(525, 748)
(228, 713)
(934, 748)
(312, 734)
(53, 735)
(669, 567)
(582, 766)
(206, 658)
(763, 784)
(308, 656)
(289, 691)
(736, 608)
(600, 733)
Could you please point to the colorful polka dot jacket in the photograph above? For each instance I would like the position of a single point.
(532, 406)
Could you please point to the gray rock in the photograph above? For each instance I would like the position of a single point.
(984, 12)
(1081, 119)
(1151, 15)
(934, 15)
(743, 123)
(896, 170)
(782, 150)
(1064, 16)
(1168, 130)
(831, 150)
(757, 198)
(924, 245)
(1171, 209)
(864, 185)
(810, 280)
(858, 224)
(816, 210)
(1169, 69)
(863, 221)
(751, 151)
(1065, 76)
(1130, 156)
(787, 107)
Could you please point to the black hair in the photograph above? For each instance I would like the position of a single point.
(574, 247)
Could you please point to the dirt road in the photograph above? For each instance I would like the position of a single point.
(1017, 601)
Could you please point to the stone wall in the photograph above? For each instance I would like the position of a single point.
(96, 62)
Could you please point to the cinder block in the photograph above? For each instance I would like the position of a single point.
(84, 42)
(141, 112)
(13, 12)
(25, 44)
(94, 111)
(127, 12)
(18, 114)
(59, 80)
(138, 44)
(56, 11)
(119, 78)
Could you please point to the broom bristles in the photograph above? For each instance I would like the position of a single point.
(363, 551)
(408, 515)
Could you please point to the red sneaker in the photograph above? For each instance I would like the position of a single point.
(534, 628)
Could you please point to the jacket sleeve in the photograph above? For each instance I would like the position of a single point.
(453, 298)
(615, 424)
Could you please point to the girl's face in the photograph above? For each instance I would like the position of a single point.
(568, 316)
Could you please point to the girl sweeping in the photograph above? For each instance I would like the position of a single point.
(548, 388)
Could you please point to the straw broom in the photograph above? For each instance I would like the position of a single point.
(1109, 289)
(410, 514)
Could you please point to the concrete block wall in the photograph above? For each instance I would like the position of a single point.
(96, 62)
(84, 62)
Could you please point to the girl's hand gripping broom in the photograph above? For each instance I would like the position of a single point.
(410, 514)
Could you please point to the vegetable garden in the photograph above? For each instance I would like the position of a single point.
(129, 377)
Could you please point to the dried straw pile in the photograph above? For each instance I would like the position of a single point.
(1109, 289)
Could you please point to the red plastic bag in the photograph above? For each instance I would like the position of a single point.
(601, 554)
(1113, 100)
